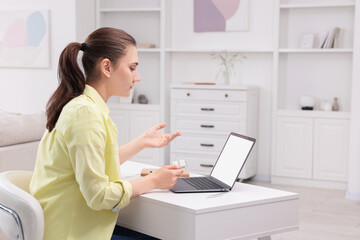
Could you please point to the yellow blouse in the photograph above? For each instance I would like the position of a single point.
(77, 173)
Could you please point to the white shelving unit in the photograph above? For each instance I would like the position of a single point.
(317, 5)
(313, 114)
(296, 50)
(243, 50)
(145, 21)
(298, 157)
(107, 10)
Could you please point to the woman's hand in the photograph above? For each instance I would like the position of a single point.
(153, 139)
(163, 178)
(167, 176)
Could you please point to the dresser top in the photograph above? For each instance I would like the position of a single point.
(213, 87)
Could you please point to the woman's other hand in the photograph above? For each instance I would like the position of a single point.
(154, 139)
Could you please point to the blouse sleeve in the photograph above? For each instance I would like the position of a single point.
(86, 139)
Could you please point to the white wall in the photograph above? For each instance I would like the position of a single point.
(85, 18)
(255, 70)
(353, 191)
(28, 90)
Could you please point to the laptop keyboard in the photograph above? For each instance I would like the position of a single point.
(202, 183)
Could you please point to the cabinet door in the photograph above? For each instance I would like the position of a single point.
(121, 120)
(294, 141)
(331, 139)
(139, 122)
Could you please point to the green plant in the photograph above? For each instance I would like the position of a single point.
(227, 63)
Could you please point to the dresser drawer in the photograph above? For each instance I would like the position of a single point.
(208, 125)
(214, 95)
(200, 164)
(198, 144)
(211, 109)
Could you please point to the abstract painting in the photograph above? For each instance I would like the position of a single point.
(220, 15)
(24, 38)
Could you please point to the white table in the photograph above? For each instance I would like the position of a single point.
(246, 212)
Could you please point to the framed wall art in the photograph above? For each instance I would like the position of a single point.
(24, 38)
(220, 15)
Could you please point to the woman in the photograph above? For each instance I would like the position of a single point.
(77, 177)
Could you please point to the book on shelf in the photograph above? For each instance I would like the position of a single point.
(145, 45)
(325, 38)
(335, 33)
(199, 83)
(329, 38)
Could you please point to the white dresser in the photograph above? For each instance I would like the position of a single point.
(206, 115)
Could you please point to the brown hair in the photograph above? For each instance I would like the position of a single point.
(103, 43)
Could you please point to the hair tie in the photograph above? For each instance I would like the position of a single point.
(83, 47)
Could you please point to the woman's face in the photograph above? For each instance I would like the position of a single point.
(125, 74)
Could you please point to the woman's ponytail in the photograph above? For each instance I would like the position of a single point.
(72, 84)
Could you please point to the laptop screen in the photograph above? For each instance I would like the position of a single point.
(232, 158)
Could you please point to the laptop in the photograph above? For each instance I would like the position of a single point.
(225, 172)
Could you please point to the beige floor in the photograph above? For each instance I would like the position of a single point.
(323, 215)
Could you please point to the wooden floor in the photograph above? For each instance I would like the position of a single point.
(323, 214)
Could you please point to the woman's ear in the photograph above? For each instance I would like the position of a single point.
(105, 67)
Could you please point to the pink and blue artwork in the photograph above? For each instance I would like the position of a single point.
(220, 15)
(24, 38)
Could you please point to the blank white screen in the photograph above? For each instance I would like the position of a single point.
(231, 159)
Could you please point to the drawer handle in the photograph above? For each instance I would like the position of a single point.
(226, 95)
(207, 126)
(206, 165)
(188, 94)
(207, 109)
(206, 145)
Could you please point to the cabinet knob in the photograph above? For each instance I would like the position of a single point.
(207, 109)
(206, 165)
(207, 126)
(206, 145)
(226, 95)
(188, 94)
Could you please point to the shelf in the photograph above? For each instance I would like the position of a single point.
(156, 50)
(247, 50)
(135, 106)
(316, 5)
(209, 87)
(316, 50)
(316, 114)
(112, 10)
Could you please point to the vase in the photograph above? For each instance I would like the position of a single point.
(327, 107)
(226, 77)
